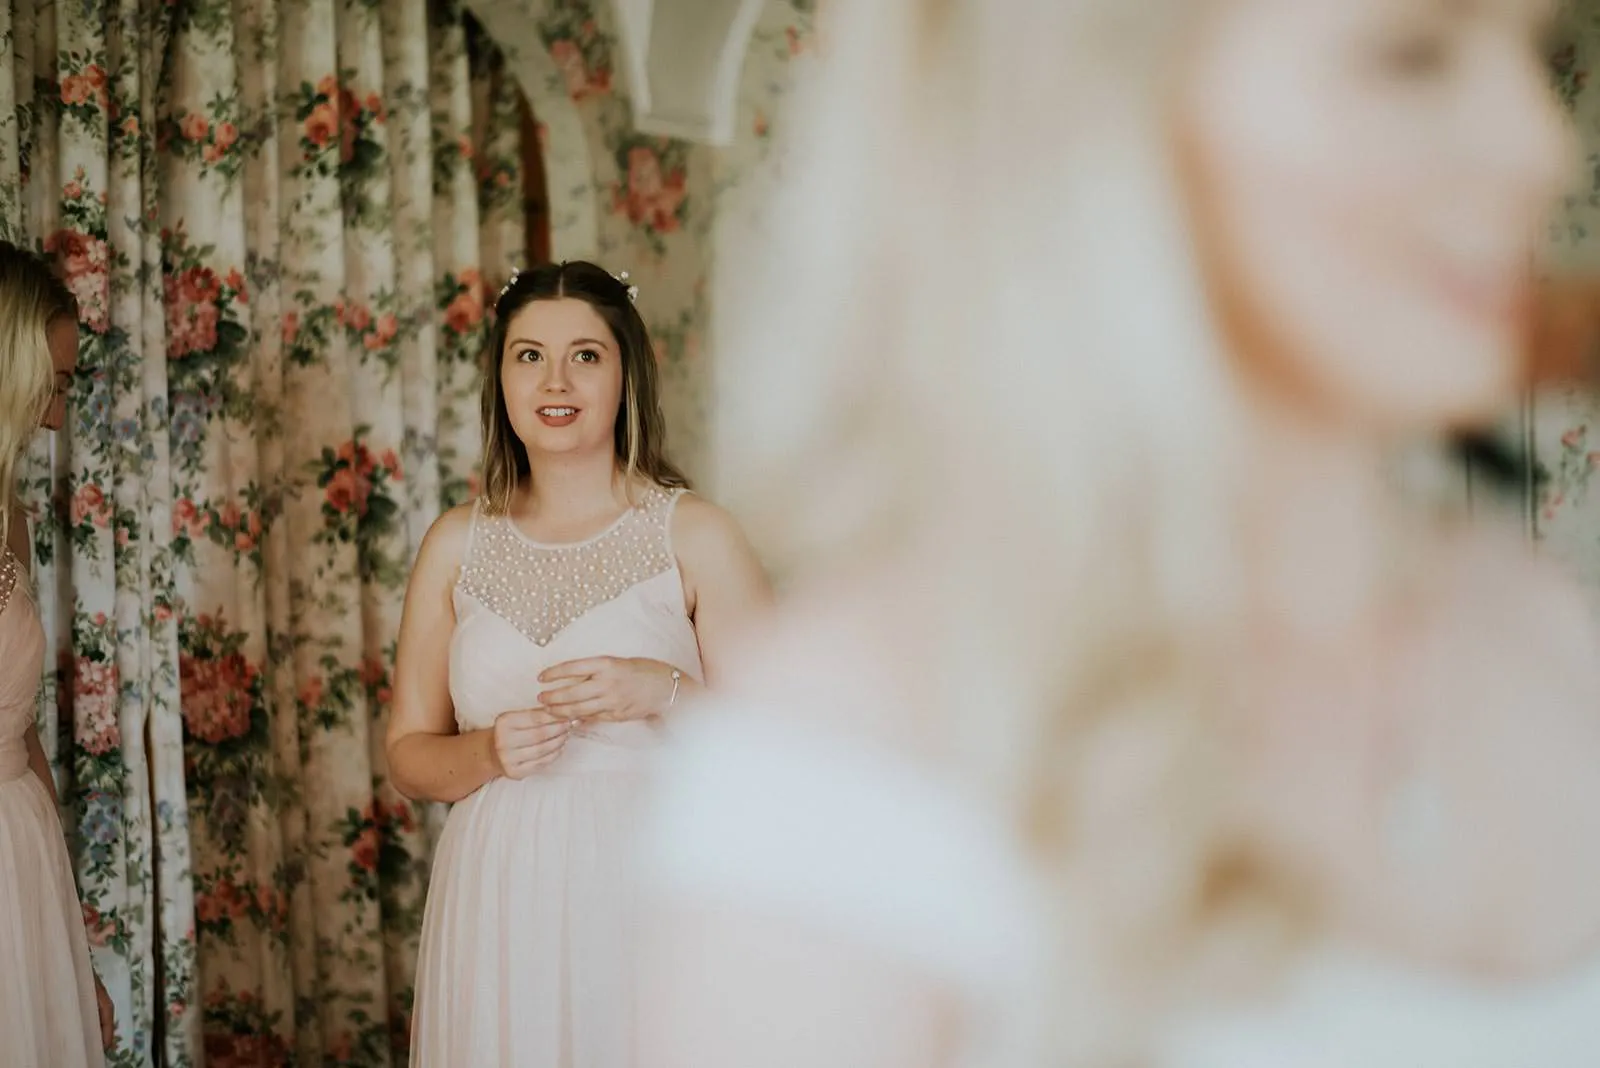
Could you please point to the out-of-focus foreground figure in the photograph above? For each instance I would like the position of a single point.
(1120, 713)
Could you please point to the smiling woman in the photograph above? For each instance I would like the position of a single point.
(548, 628)
(569, 335)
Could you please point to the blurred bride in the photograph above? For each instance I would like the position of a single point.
(1119, 712)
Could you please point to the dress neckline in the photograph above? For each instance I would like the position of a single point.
(647, 498)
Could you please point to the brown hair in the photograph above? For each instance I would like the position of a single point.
(640, 429)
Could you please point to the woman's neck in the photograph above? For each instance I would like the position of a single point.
(1317, 520)
(575, 486)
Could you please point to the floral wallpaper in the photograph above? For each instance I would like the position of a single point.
(646, 205)
(1564, 426)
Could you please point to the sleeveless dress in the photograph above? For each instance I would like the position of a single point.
(526, 957)
(48, 1014)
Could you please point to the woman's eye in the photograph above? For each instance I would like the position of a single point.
(587, 356)
(527, 355)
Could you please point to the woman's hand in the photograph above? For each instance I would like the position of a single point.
(527, 740)
(108, 1015)
(610, 688)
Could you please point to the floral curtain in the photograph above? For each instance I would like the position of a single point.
(281, 218)
(1564, 427)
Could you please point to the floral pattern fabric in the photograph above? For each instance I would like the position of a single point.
(1564, 427)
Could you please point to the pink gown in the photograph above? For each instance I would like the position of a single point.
(526, 958)
(48, 1015)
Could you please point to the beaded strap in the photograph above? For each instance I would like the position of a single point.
(10, 575)
(543, 589)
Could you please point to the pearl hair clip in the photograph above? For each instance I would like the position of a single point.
(633, 291)
(515, 272)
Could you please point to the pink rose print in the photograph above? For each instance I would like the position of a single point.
(569, 61)
(89, 506)
(94, 692)
(651, 198)
(192, 311)
(216, 695)
(85, 262)
(187, 519)
(100, 929)
(322, 124)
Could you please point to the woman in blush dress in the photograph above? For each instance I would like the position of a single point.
(1121, 714)
(54, 1013)
(548, 629)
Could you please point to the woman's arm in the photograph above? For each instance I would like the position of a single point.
(428, 759)
(726, 585)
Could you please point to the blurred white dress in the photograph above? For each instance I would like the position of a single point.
(763, 811)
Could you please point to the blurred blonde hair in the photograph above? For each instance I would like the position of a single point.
(31, 298)
(975, 282)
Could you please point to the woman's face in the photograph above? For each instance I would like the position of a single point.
(561, 376)
(1371, 179)
(62, 336)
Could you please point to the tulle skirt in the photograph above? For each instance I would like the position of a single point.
(527, 952)
(48, 1015)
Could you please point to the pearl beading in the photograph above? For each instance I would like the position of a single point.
(543, 589)
(10, 575)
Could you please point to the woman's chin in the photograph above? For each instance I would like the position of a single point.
(562, 443)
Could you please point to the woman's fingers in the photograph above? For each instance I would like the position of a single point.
(590, 709)
(576, 669)
(576, 693)
(536, 756)
(544, 733)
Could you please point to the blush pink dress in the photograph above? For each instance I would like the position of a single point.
(48, 1016)
(527, 948)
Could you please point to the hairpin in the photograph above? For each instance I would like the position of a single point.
(515, 271)
(633, 291)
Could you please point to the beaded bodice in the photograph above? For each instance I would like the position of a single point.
(542, 589)
(522, 607)
(10, 575)
(21, 663)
